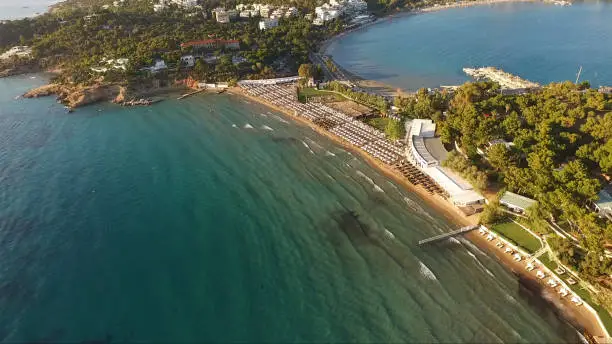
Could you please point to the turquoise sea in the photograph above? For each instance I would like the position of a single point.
(538, 41)
(12, 9)
(213, 219)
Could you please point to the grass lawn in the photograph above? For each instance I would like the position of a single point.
(379, 123)
(518, 236)
(307, 92)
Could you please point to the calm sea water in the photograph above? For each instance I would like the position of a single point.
(541, 42)
(215, 220)
(13, 9)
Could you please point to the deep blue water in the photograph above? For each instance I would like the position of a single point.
(12, 9)
(216, 220)
(537, 41)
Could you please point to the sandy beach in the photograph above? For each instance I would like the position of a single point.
(580, 317)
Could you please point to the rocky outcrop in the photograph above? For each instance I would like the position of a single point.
(76, 96)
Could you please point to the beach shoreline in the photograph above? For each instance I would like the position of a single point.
(581, 319)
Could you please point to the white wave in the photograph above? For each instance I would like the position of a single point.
(472, 246)
(426, 272)
(509, 298)
(307, 146)
(389, 235)
(263, 115)
(480, 264)
(265, 127)
(313, 143)
(279, 118)
(269, 113)
(414, 206)
(32, 77)
(248, 126)
(246, 101)
(376, 187)
(234, 126)
(328, 153)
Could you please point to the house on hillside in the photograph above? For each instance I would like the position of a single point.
(604, 205)
(515, 202)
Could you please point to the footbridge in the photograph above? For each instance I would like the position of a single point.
(447, 235)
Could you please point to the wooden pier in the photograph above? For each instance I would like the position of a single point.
(447, 235)
(190, 94)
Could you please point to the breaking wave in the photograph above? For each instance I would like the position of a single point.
(328, 153)
(280, 119)
(480, 264)
(426, 272)
(248, 126)
(376, 187)
(307, 146)
(414, 206)
(265, 127)
(263, 115)
(234, 126)
(389, 235)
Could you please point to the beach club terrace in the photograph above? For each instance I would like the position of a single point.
(427, 152)
(211, 44)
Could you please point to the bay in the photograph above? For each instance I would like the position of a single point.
(537, 41)
(214, 219)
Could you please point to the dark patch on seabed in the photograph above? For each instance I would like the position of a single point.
(362, 235)
(533, 293)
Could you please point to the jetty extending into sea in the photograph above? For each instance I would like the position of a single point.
(504, 79)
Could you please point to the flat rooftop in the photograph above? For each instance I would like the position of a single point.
(419, 145)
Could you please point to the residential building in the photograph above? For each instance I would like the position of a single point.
(515, 202)
(188, 60)
(222, 17)
(318, 22)
(268, 23)
(604, 204)
(185, 3)
(266, 10)
(245, 14)
(158, 66)
(291, 12)
(232, 14)
(160, 6)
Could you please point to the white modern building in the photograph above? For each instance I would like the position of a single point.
(268, 23)
(427, 152)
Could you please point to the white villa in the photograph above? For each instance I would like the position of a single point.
(268, 23)
(111, 64)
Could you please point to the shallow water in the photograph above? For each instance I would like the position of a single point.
(178, 223)
(537, 41)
